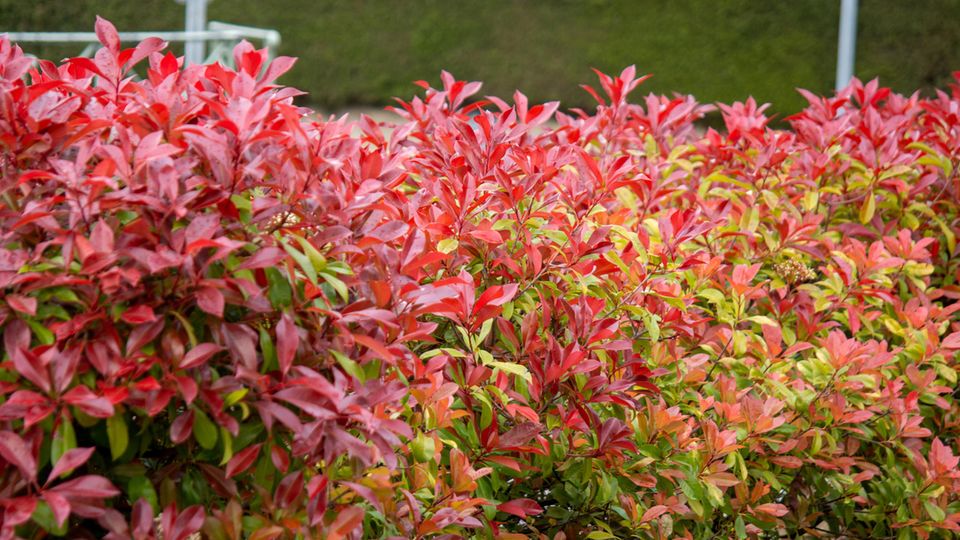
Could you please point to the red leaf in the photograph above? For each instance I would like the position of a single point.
(139, 315)
(87, 487)
(653, 513)
(69, 461)
(143, 334)
(287, 341)
(789, 462)
(376, 346)
(487, 235)
(242, 460)
(23, 304)
(387, 232)
(289, 489)
(520, 435)
(942, 459)
(84, 399)
(16, 451)
(17, 510)
(521, 507)
(280, 458)
(187, 523)
(107, 34)
(27, 405)
(210, 300)
(722, 479)
(951, 342)
(506, 461)
(347, 520)
(199, 355)
(181, 427)
(263, 258)
(59, 505)
(32, 368)
(772, 509)
(144, 49)
(497, 295)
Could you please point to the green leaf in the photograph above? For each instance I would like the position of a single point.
(484, 330)
(653, 327)
(227, 445)
(868, 208)
(234, 397)
(302, 261)
(614, 258)
(118, 435)
(318, 260)
(204, 430)
(423, 448)
(447, 245)
(712, 295)
(349, 365)
(43, 516)
(269, 352)
(740, 527)
(140, 487)
(44, 334)
(934, 511)
(338, 285)
(279, 293)
(64, 440)
(513, 369)
(719, 177)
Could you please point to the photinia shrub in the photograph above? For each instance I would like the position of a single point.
(225, 317)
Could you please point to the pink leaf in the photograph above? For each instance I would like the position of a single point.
(497, 295)
(143, 334)
(87, 487)
(84, 399)
(521, 507)
(242, 460)
(951, 341)
(199, 355)
(263, 258)
(182, 427)
(211, 301)
(15, 450)
(287, 342)
(188, 522)
(144, 49)
(653, 513)
(107, 34)
(139, 315)
(59, 505)
(772, 509)
(69, 461)
(17, 510)
(23, 304)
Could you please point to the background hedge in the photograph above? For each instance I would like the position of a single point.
(363, 52)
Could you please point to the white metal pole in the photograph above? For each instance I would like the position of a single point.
(847, 45)
(196, 21)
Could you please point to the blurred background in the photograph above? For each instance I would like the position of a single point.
(361, 53)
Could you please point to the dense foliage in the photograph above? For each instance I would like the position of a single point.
(221, 314)
(363, 52)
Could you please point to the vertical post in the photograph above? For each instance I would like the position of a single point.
(196, 21)
(847, 43)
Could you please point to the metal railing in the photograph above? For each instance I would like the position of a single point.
(222, 37)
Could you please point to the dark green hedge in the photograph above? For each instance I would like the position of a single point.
(365, 51)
